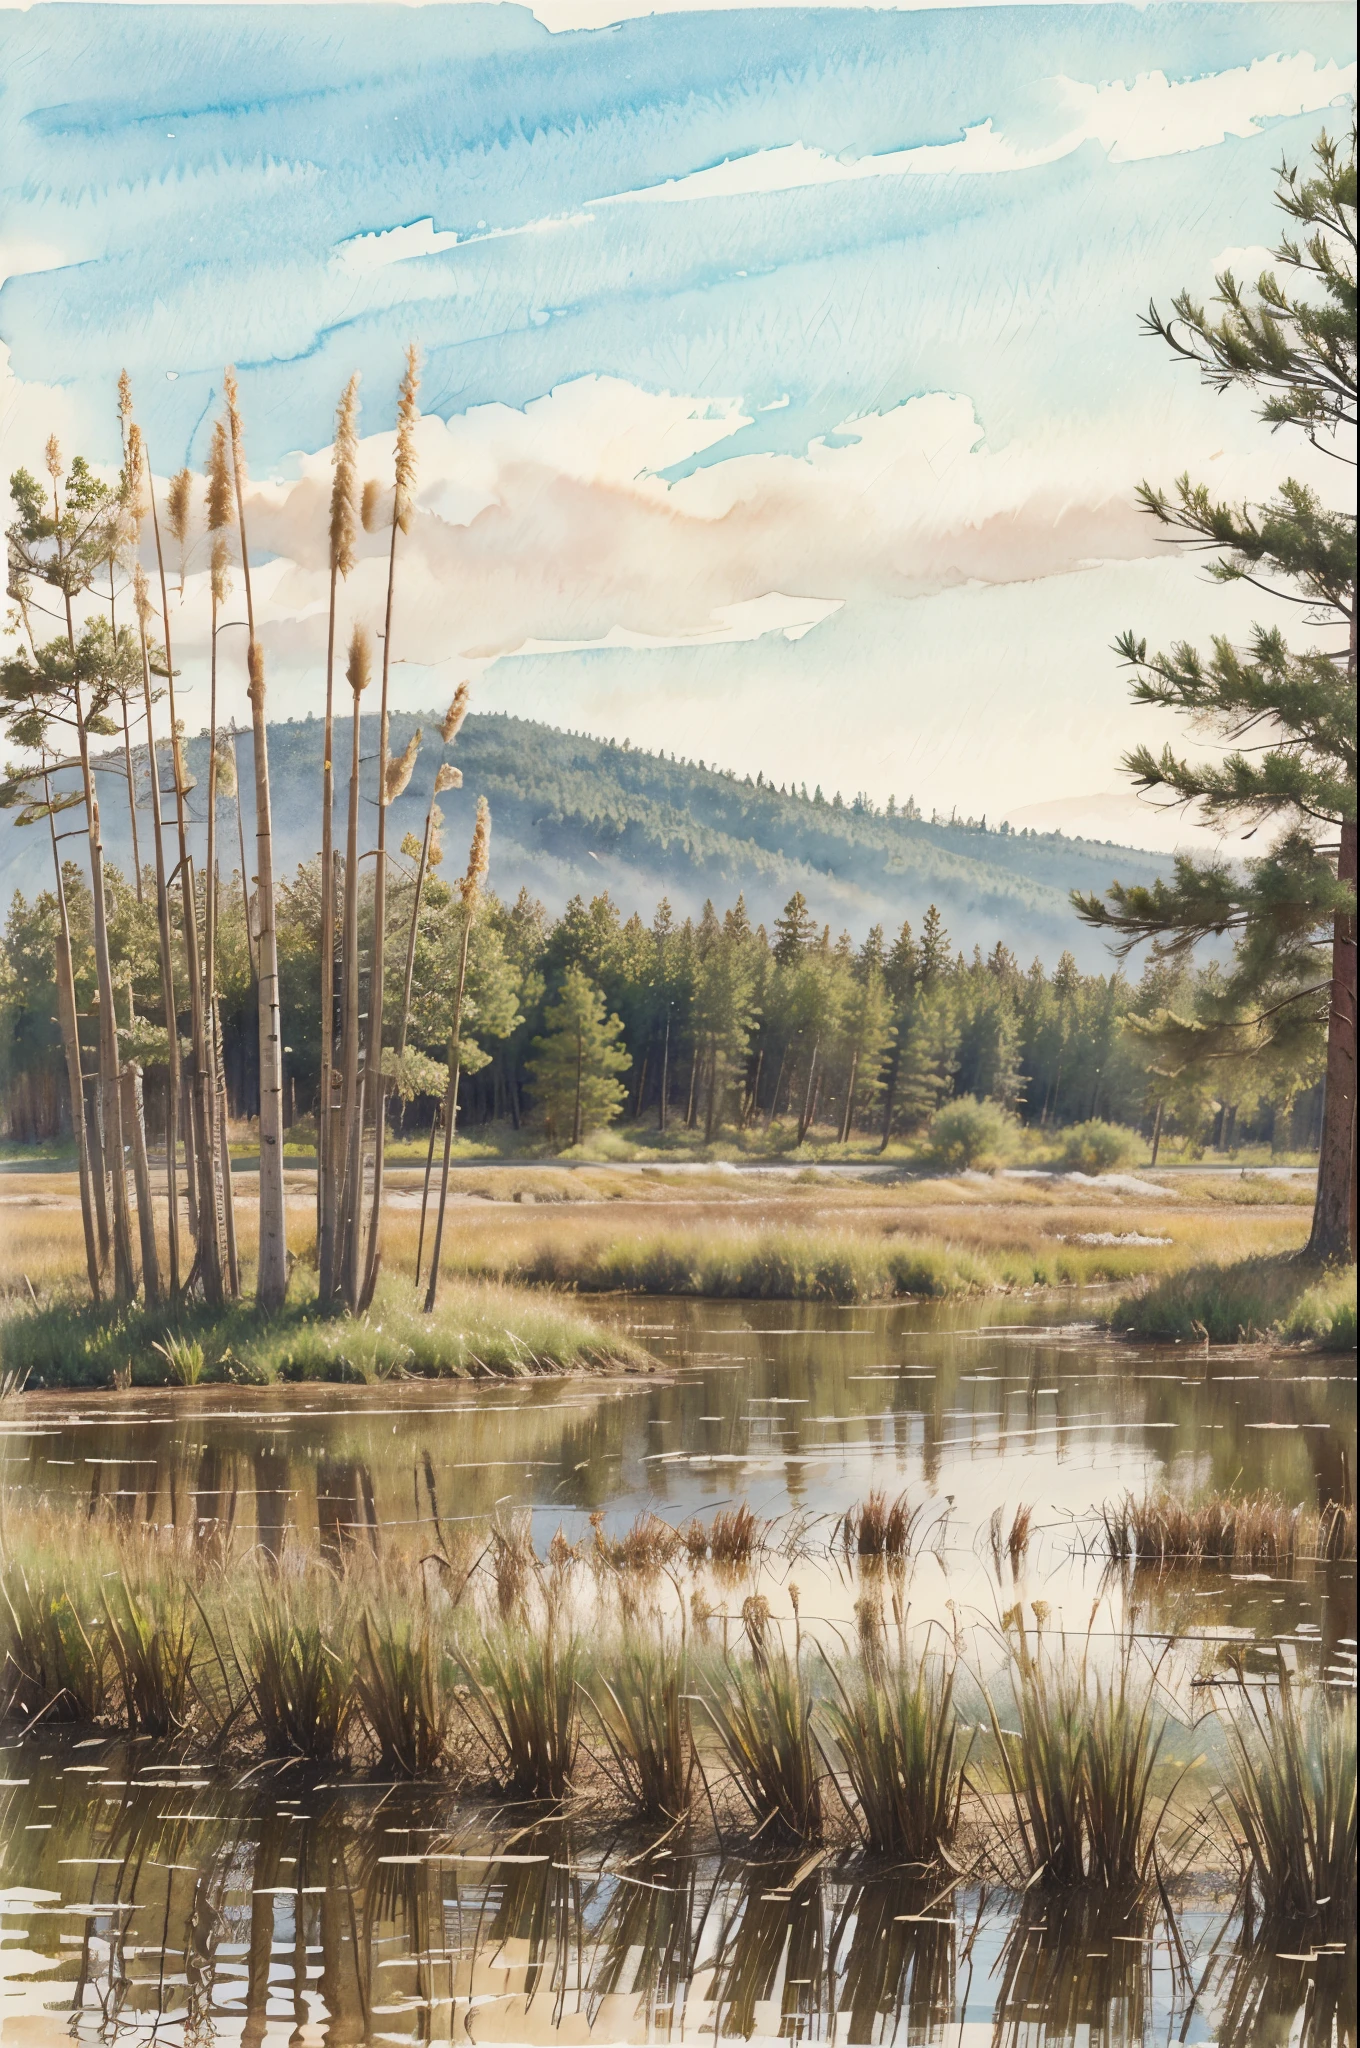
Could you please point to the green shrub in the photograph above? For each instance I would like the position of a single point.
(1097, 1147)
(968, 1132)
(1285, 1298)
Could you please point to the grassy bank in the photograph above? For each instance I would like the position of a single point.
(1285, 1300)
(480, 1330)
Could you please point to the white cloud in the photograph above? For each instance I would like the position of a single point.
(362, 254)
(728, 624)
(1153, 116)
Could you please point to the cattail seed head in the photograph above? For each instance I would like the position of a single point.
(344, 486)
(52, 456)
(233, 397)
(221, 562)
(456, 713)
(134, 471)
(221, 510)
(141, 596)
(408, 412)
(448, 777)
(255, 669)
(177, 505)
(479, 854)
(368, 510)
(400, 771)
(124, 399)
(359, 667)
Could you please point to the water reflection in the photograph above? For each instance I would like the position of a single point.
(138, 1897)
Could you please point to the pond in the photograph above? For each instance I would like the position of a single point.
(143, 1893)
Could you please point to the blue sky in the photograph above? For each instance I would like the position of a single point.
(784, 386)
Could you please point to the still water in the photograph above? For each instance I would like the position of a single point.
(141, 1897)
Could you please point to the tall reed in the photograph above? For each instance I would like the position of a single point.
(299, 1682)
(404, 1686)
(153, 1630)
(643, 1710)
(56, 1650)
(894, 1724)
(761, 1709)
(526, 1680)
(1293, 1791)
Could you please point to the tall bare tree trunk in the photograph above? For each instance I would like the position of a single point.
(1333, 1232)
(450, 1114)
(326, 1134)
(352, 1087)
(70, 1039)
(127, 752)
(377, 1085)
(134, 1123)
(167, 958)
(124, 1279)
(271, 1276)
(199, 1128)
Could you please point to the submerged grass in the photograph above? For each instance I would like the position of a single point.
(1282, 1300)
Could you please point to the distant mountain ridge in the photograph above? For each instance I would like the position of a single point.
(572, 814)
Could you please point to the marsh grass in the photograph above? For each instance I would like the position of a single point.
(1262, 1299)
(894, 1724)
(527, 1680)
(760, 1707)
(299, 1682)
(57, 1651)
(642, 1706)
(1293, 1792)
(404, 1686)
(481, 1330)
(1252, 1532)
(878, 1527)
(153, 1635)
(1079, 1770)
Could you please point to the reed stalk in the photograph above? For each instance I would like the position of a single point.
(342, 536)
(470, 889)
(402, 508)
(271, 1268)
(643, 1709)
(894, 1724)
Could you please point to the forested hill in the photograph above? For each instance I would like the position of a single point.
(576, 814)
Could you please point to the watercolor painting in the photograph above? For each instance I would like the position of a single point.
(678, 1022)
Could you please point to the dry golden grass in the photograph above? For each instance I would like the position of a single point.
(583, 1225)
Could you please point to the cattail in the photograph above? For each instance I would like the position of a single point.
(141, 596)
(124, 402)
(255, 668)
(233, 397)
(221, 506)
(368, 510)
(400, 771)
(456, 713)
(359, 667)
(435, 856)
(52, 455)
(344, 456)
(221, 562)
(407, 415)
(226, 768)
(479, 854)
(177, 505)
(134, 467)
(448, 777)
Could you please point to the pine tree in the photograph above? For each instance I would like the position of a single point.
(1292, 911)
(795, 930)
(575, 1065)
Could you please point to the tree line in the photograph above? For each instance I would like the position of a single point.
(709, 1025)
